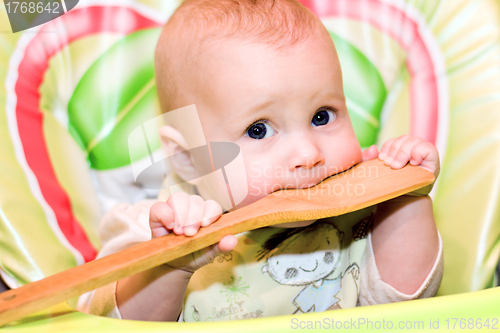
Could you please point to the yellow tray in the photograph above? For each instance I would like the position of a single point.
(461, 312)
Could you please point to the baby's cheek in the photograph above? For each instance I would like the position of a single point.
(260, 179)
(259, 187)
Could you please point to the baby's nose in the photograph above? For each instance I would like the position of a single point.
(305, 154)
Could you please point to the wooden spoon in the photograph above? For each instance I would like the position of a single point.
(366, 184)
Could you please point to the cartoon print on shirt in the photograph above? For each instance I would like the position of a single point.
(312, 264)
(224, 257)
(234, 291)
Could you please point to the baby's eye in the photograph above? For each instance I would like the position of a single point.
(260, 131)
(323, 117)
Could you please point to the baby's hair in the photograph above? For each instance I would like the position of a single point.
(277, 22)
(197, 24)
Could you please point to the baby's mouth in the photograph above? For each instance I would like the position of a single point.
(320, 180)
(313, 180)
(301, 186)
(308, 185)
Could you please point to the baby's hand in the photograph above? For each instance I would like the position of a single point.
(182, 214)
(399, 151)
(185, 214)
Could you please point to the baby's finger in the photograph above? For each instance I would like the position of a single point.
(180, 204)
(417, 156)
(161, 218)
(212, 212)
(385, 149)
(226, 244)
(426, 155)
(404, 153)
(369, 154)
(203, 257)
(196, 212)
(393, 150)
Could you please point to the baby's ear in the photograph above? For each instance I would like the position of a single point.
(175, 147)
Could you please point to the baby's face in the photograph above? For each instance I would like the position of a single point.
(284, 108)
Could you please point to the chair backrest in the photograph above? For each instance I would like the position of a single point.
(74, 89)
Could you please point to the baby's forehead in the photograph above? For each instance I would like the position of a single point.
(199, 25)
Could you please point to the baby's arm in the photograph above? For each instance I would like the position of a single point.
(157, 294)
(404, 236)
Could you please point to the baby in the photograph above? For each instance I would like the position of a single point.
(265, 75)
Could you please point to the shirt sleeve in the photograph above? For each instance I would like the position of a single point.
(125, 225)
(375, 291)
